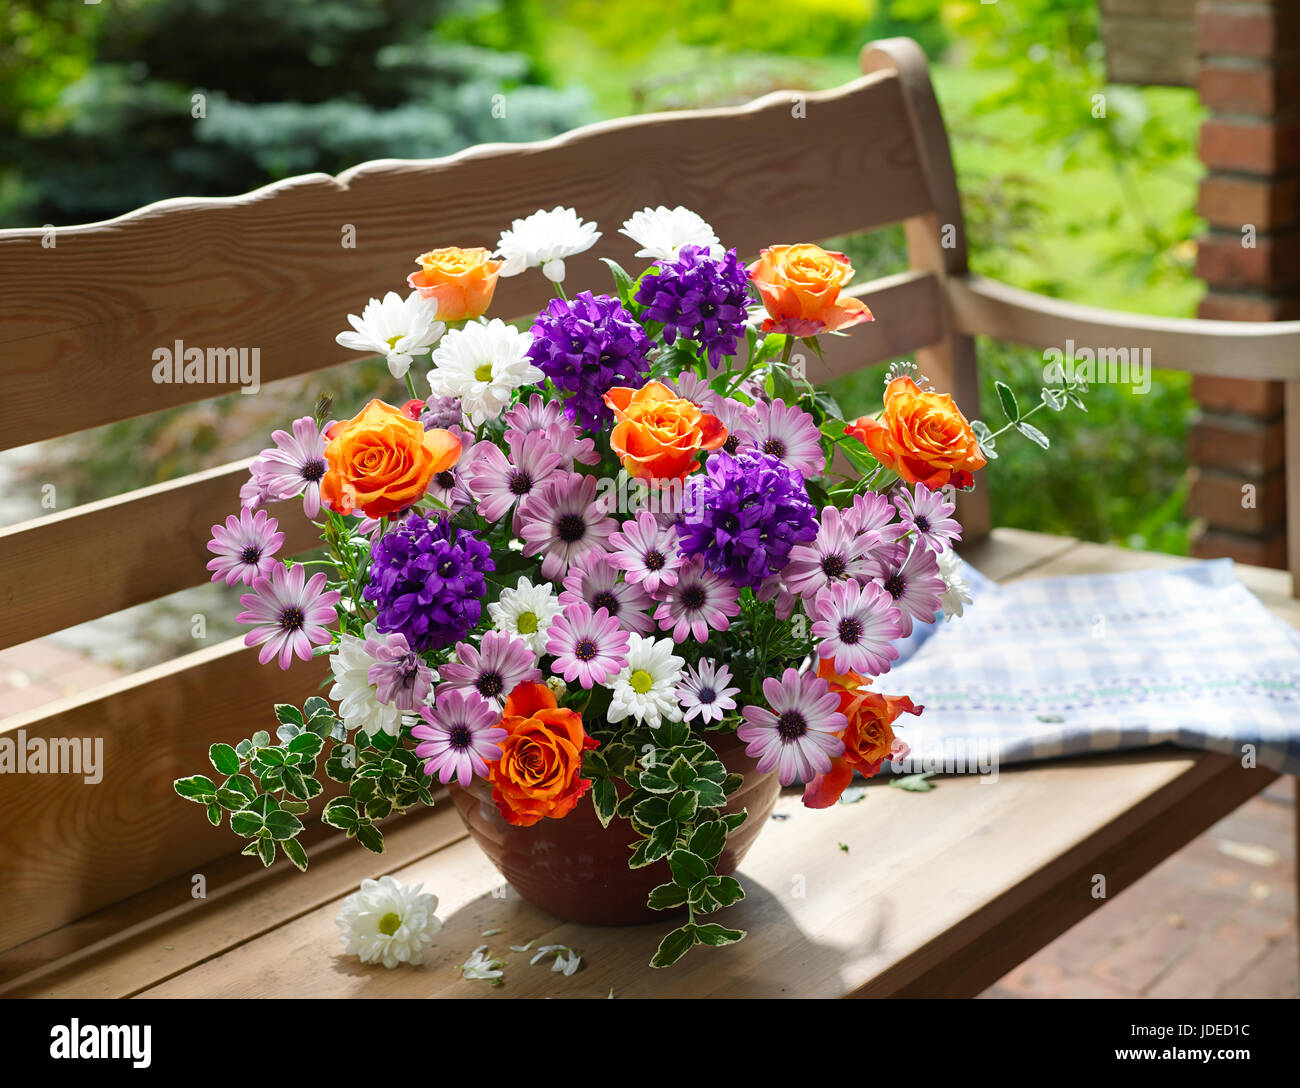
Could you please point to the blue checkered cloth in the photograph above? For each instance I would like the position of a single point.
(1052, 667)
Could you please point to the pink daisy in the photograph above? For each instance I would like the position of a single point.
(543, 415)
(773, 588)
(797, 737)
(499, 483)
(459, 736)
(929, 515)
(593, 579)
(244, 547)
(703, 692)
(700, 602)
(740, 420)
(256, 490)
(790, 434)
(873, 513)
(837, 553)
(857, 625)
(290, 616)
(589, 647)
(563, 521)
(399, 676)
(492, 671)
(295, 465)
(647, 552)
(914, 582)
(449, 486)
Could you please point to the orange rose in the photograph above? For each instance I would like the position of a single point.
(922, 436)
(658, 434)
(869, 739)
(800, 286)
(462, 280)
(381, 461)
(539, 772)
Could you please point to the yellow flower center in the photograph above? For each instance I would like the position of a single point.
(392, 340)
(641, 681)
(483, 373)
(527, 624)
(389, 923)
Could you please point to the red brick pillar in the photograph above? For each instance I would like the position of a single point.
(1249, 80)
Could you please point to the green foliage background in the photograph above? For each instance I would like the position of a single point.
(96, 118)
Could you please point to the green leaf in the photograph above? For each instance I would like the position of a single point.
(296, 807)
(666, 897)
(246, 823)
(604, 797)
(709, 839)
(1034, 435)
(682, 807)
(734, 819)
(294, 852)
(623, 283)
(656, 781)
(197, 787)
(651, 812)
(726, 890)
(863, 463)
(688, 869)
(283, 825)
(1008, 399)
(674, 946)
(214, 814)
(306, 744)
(681, 772)
(662, 839)
(913, 783)
(288, 715)
(378, 807)
(224, 758)
(709, 793)
(261, 738)
(716, 935)
(316, 705)
(340, 813)
(266, 849)
(368, 835)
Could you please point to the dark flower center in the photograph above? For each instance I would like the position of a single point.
(850, 631)
(606, 600)
(708, 309)
(732, 444)
(447, 567)
(251, 554)
(520, 483)
(654, 560)
(446, 480)
(313, 471)
(895, 586)
(291, 619)
(775, 447)
(922, 524)
(730, 523)
(490, 685)
(833, 566)
(791, 725)
(707, 695)
(585, 650)
(459, 737)
(570, 528)
(693, 597)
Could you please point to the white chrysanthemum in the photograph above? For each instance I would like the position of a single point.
(483, 365)
(396, 328)
(646, 687)
(661, 232)
(358, 700)
(956, 591)
(480, 965)
(545, 239)
(526, 611)
(387, 922)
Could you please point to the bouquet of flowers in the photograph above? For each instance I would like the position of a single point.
(592, 548)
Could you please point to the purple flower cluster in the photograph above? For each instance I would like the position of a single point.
(744, 514)
(587, 345)
(426, 581)
(700, 298)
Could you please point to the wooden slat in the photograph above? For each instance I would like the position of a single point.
(67, 847)
(1150, 42)
(1291, 407)
(76, 565)
(908, 317)
(1238, 349)
(268, 269)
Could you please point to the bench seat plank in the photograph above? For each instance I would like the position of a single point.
(938, 893)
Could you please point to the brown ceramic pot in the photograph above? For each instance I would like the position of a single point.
(577, 869)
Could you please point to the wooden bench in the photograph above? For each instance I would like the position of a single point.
(97, 879)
